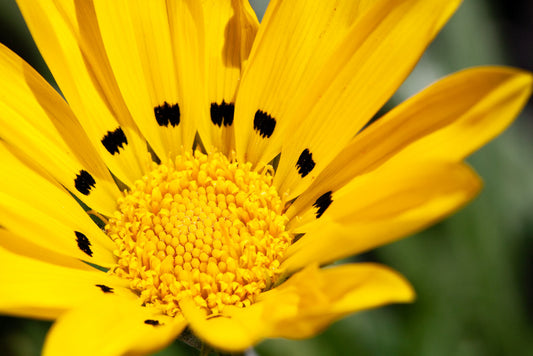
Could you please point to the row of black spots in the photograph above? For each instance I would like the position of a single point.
(114, 140)
(84, 182)
(322, 203)
(104, 288)
(167, 114)
(305, 163)
(222, 114)
(264, 124)
(83, 243)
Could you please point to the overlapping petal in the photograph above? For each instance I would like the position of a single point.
(42, 290)
(151, 75)
(63, 30)
(380, 207)
(302, 306)
(485, 101)
(40, 127)
(111, 326)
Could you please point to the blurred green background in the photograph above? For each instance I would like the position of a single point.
(472, 272)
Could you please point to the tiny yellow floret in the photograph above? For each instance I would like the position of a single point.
(200, 226)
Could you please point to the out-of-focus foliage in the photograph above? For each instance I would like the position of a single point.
(472, 272)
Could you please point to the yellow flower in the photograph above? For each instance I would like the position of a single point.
(221, 163)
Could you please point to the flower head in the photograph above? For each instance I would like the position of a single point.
(220, 162)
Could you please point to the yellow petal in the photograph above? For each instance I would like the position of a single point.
(48, 232)
(40, 127)
(43, 213)
(110, 327)
(32, 288)
(302, 306)
(377, 55)
(312, 299)
(294, 42)
(484, 101)
(230, 28)
(448, 121)
(22, 184)
(68, 37)
(380, 207)
(222, 332)
(152, 64)
(21, 246)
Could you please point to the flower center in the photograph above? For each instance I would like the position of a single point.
(200, 226)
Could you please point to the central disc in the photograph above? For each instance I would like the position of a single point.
(200, 226)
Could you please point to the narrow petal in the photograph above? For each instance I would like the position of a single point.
(63, 30)
(33, 207)
(447, 121)
(110, 327)
(295, 40)
(230, 28)
(302, 306)
(380, 207)
(41, 128)
(366, 69)
(312, 299)
(48, 232)
(153, 68)
(221, 332)
(21, 246)
(36, 289)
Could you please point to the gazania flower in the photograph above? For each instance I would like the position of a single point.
(198, 168)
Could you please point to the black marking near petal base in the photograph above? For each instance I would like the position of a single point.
(305, 163)
(152, 322)
(83, 243)
(105, 288)
(264, 124)
(84, 182)
(323, 203)
(167, 114)
(114, 140)
(222, 114)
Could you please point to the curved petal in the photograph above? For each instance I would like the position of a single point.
(295, 40)
(36, 289)
(222, 332)
(302, 306)
(21, 183)
(21, 246)
(45, 214)
(380, 207)
(312, 299)
(448, 121)
(69, 40)
(230, 28)
(111, 327)
(48, 232)
(38, 124)
(357, 81)
(153, 52)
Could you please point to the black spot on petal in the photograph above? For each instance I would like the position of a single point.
(264, 124)
(105, 288)
(305, 163)
(83, 243)
(222, 114)
(84, 182)
(167, 114)
(114, 140)
(152, 322)
(323, 203)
